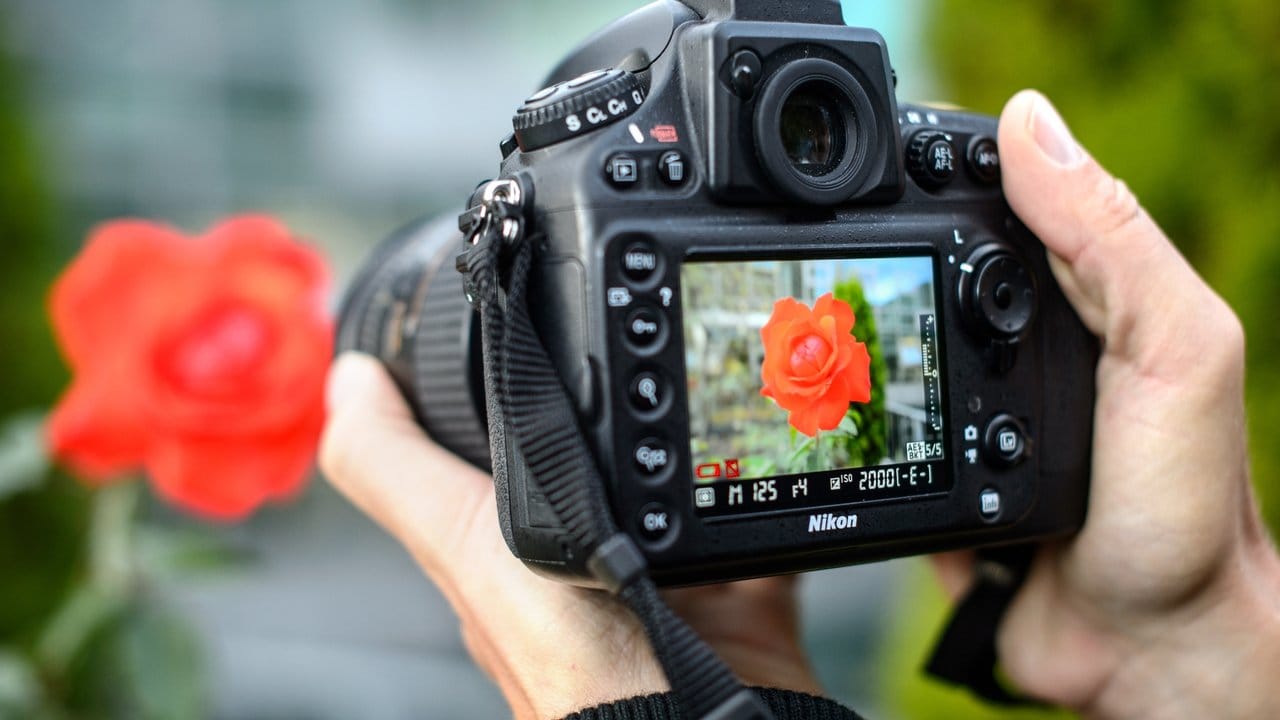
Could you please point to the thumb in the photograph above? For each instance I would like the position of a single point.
(1126, 280)
(374, 453)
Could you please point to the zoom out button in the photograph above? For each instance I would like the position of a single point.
(651, 456)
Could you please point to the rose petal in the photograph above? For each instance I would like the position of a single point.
(839, 310)
(858, 374)
(227, 478)
(106, 299)
(96, 430)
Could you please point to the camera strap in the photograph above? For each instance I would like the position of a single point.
(966, 653)
(539, 417)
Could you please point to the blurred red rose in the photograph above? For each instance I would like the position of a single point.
(201, 360)
(813, 365)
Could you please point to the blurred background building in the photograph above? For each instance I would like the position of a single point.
(346, 118)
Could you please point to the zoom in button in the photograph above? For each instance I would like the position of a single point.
(647, 392)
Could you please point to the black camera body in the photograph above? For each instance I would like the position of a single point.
(716, 189)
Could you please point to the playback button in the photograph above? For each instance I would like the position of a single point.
(1004, 443)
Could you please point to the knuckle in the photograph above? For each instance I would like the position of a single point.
(1113, 209)
(1227, 333)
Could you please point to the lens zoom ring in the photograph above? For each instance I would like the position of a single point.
(442, 372)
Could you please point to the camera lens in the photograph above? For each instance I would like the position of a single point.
(406, 307)
(811, 128)
(814, 131)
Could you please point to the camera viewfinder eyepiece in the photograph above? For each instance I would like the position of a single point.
(812, 130)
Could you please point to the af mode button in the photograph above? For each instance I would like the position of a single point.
(1004, 443)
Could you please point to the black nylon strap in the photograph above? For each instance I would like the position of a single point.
(966, 653)
(545, 428)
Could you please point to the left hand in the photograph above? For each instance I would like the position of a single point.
(551, 648)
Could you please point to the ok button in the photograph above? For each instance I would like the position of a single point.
(655, 522)
(644, 327)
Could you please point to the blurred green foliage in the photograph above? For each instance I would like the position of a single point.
(1181, 99)
(870, 445)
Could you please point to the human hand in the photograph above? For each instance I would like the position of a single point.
(1167, 603)
(551, 648)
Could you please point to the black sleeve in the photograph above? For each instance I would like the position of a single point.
(785, 704)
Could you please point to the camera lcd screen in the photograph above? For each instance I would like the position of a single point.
(812, 383)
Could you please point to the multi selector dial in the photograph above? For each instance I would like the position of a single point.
(997, 298)
(576, 107)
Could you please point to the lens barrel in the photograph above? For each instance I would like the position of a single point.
(814, 125)
(407, 308)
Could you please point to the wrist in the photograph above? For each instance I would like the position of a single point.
(1213, 656)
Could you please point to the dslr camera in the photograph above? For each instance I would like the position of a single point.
(795, 321)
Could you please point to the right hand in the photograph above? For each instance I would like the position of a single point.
(1167, 603)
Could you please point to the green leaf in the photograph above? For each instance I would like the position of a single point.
(165, 552)
(162, 665)
(847, 426)
(71, 629)
(20, 693)
(23, 463)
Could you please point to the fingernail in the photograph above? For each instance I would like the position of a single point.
(1052, 135)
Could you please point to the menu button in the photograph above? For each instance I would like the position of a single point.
(639, 261)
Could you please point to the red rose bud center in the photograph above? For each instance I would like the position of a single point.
(809, 356)
(219, 350)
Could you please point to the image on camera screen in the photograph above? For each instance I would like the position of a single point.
(818, 380)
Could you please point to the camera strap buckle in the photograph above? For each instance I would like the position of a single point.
(496, 215)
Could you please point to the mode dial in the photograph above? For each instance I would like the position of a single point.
(574, 107)
(931, 158)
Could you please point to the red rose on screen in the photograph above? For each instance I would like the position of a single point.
(201, 360)
(813, 365)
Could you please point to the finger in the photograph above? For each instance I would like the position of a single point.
(1126, 280)
(374, 453)
(954, 570)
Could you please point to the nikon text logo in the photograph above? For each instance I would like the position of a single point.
(823, 523)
